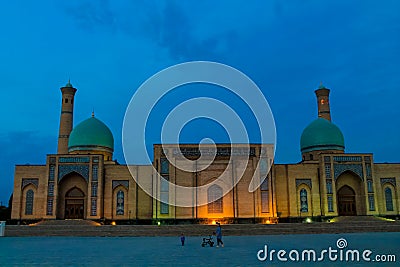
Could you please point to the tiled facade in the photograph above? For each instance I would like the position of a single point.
(80, 185)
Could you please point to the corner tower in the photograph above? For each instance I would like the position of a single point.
(66, 118)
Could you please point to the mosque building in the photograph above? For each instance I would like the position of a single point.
(82, 181)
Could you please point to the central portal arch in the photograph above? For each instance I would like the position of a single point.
(350, 194)
(72, 197)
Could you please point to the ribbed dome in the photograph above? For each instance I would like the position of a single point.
(91, 134)
(321, 134)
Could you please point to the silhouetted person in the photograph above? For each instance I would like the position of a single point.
(182, 239)
(218, 232)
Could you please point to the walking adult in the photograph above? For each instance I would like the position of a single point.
(219, 235)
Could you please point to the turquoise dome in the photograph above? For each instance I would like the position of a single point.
(91, 134)
(321, 134)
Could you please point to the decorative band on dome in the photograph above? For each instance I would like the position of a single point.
(90, 148)
(322, 148)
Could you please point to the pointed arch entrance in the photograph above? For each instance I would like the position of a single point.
(346, 201)
(74, 204)
(72, 197)
(350, 194)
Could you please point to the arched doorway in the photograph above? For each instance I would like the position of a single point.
(74, 204)
(73, 199)
(350, 194)
(346, 201)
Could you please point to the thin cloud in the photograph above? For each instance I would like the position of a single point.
(92, 15)
(166, 24)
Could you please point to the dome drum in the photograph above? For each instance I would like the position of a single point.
(90, 149)
(323, 148)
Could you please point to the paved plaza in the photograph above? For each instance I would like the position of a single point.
(167, 251)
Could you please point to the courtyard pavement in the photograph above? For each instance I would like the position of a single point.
(167, 251)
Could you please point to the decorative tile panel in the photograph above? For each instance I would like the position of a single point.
(29, 202)
(94, 189)
(51, 172)
(50, 189)
(347, 158)
(95, 171)
(74, 159)
(330, 203)
(221, 151)
(303, 181)
(390, 180)
(66, 169)
(116, 183)
(328, 171)
(93, 207)
(341, 168)
(27, 181)
(49, 210)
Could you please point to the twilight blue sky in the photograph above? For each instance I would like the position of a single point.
(108, 48)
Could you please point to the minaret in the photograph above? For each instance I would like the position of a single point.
(66, 119)
(324, 110)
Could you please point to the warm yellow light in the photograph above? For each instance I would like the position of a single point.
(267, 221)
(388, 220)
(113, 223)
(158, 223)
(308, 220)
(213, 222)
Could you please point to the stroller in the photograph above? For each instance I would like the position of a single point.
(208, 241)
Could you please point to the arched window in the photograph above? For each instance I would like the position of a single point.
(29, 202)
(214, 195)
(120, 202)
(303, 200)
(389, 199)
